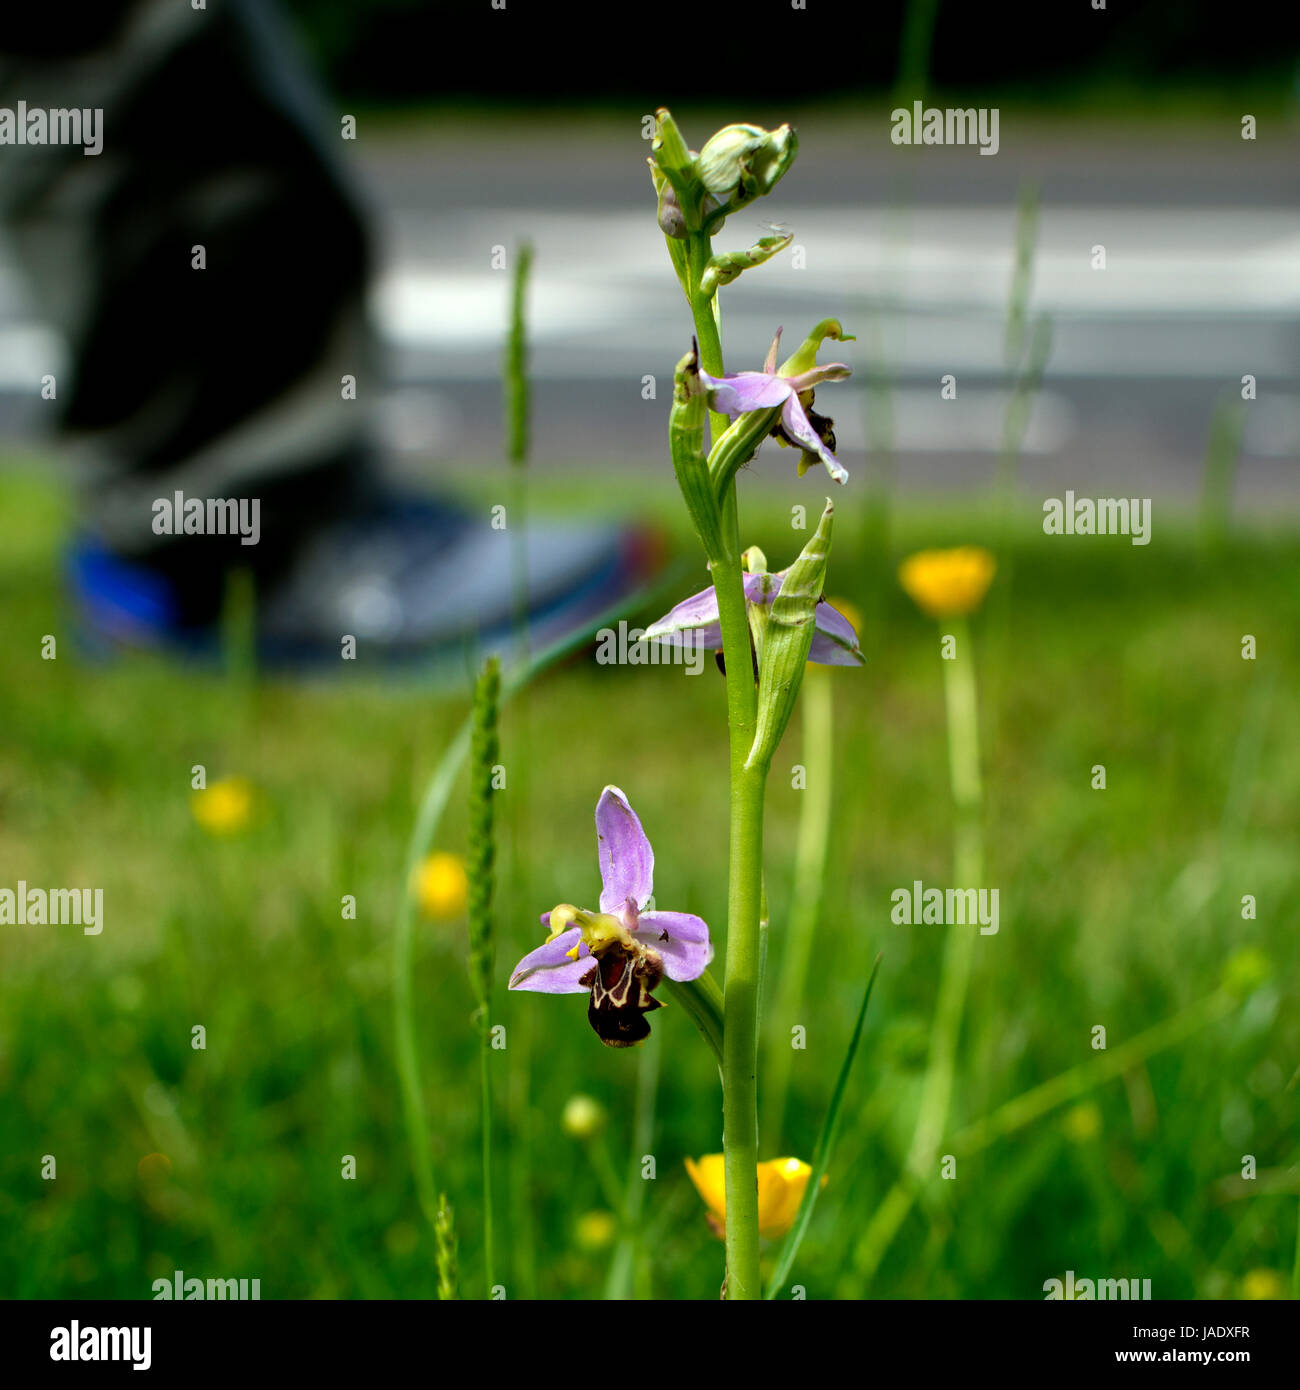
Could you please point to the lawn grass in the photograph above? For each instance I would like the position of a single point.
(1119, 908)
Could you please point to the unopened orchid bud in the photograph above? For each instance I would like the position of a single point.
(754, 561)
(676, 179)
(744, 162)
(787, 640)
(761, 589)
(723, 269)
(672, 221)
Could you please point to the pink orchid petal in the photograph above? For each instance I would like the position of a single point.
(693, 621)
(745, 391)
(626, 860)
(548, 969)
(834, 642)
(681, 939)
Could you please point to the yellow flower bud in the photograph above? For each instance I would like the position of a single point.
(948, 583)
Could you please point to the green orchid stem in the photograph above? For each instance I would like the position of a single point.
(740, 1023)
(745, 885)
(954, 974)
(704, 313)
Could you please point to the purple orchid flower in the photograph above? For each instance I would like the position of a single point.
(621, 953)
(694, 623)
(740, 392)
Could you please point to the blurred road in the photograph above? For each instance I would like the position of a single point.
(912, 248)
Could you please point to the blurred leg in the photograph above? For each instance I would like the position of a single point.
(222, 381)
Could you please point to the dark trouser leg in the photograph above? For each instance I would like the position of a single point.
(218, 382)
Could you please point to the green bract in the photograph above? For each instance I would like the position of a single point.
(787, 637)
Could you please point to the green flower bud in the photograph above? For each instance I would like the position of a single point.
(744, 162)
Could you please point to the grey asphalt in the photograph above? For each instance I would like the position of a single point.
(912, 248)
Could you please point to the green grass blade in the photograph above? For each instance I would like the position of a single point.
(436, 796)
(485, 749)
(822, 1154)
(517, 395)
(629, 1267)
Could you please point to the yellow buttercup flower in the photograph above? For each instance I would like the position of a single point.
(948, 583)
(225, 807)
(1263, 1283)
(442, 885)
(781, 1185)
